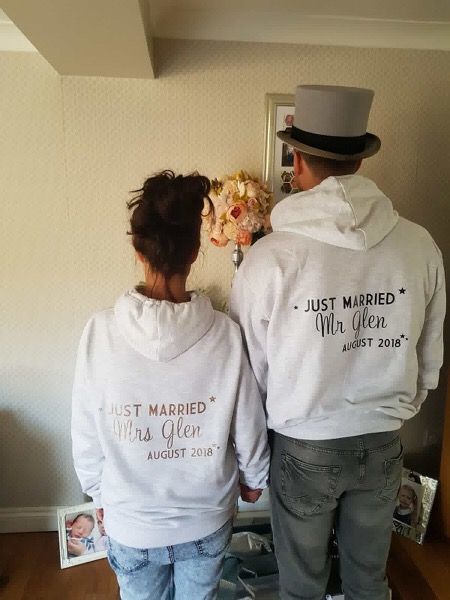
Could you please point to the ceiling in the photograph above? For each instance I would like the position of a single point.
(114, 37)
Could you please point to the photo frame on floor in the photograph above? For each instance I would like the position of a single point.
(414, 503)
(82, 537)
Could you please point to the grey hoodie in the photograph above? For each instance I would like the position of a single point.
(342, 310)
(166, 419)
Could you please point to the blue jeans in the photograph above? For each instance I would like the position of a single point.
(189, 571)
(350, 484)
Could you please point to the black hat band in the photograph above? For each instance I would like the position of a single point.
(329, 143)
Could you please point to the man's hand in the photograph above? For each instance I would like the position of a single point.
(249, 495)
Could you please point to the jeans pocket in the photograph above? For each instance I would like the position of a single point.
(393, 476)
(216, 543)
(125, 559)
(307, 487)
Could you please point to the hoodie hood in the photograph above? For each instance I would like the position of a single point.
(159, 329)
(349, 212)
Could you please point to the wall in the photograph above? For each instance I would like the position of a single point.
(72, 148)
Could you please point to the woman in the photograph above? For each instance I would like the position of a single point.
(167, 421)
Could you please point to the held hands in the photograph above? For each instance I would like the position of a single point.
(249, 495)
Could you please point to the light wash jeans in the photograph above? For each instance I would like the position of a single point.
(350, 484)
(189, 571)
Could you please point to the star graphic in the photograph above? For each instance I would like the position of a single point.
(402, 336)
(402, 290)
(212, 399)
(295, 307)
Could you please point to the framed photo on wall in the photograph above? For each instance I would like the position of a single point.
(278, 167)
(82, 537)
(414, 502)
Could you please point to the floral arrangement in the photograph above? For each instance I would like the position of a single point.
(241, 209)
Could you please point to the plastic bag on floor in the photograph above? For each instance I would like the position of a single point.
(250, 569)
(247, 543)
(264, 587)
(229, 581)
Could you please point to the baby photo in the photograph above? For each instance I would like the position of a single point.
(414, 501)
(82, 537)
(407, 510)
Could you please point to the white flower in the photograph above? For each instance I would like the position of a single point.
(251, 223)
(220, 209)
(241, 188)
(230, 188)
(253, 189)
(217, 228)
(230, 230)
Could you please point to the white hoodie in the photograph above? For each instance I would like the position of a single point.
(342, 309)
(166, 419)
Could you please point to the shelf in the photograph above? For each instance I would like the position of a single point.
(419, 572)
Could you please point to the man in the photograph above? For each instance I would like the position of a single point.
(342, 309)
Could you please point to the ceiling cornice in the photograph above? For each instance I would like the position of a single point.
(271, 27)
(295, 28)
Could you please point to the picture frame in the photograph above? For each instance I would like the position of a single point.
(278, 164)
(88, 542)
(414, 503)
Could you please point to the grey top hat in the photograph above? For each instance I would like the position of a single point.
(331, 121)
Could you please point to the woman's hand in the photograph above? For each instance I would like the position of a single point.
(249, 495)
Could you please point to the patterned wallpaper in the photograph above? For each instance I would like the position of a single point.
(71, 149)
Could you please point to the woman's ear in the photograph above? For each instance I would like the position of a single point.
(140, 257)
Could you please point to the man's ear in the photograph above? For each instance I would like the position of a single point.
(358, 165)
(298, 163)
